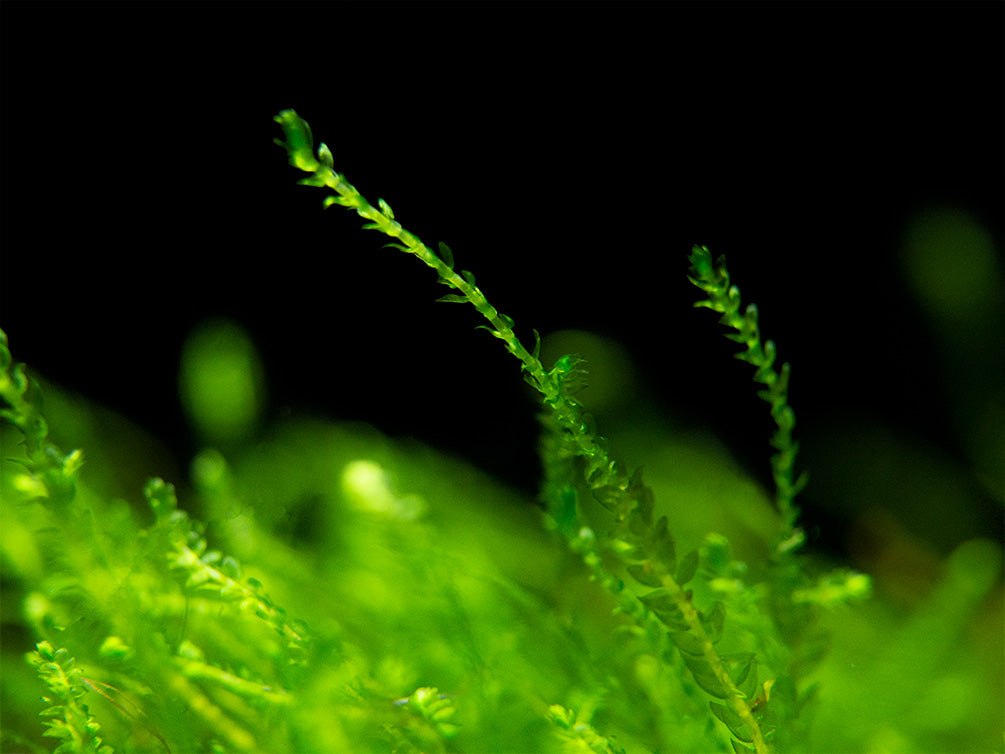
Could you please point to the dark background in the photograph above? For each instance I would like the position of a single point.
(570, 154)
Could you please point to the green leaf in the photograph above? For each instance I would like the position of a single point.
(770, 353)
(314, 179)
(469, 278)
(492, 330)
(644, 574)
(610, 497)
(716, 553)
(662, 544)
(701, 263)
(666, 609)
(570, 375)
(642, 494)
(299, 144)
(626, 550)
(732, 721)
(742, 670)
(784, 700)
(161, 497)
(562, 717)
(58, 729)
(339, 200)
(325, 156)
(704, 676)
(230, 568)
(687, 568)
(453, 298)
(446, 255)
(564, 512)
(688, 643)
(659, 601)
(714, 622)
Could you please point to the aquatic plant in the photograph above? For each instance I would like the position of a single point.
(343, 593)
(634, 544)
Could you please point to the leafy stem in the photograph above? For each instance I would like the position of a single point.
(51, 474)
(645, 548)
(724, 298)
(67, 717)
(299, 145)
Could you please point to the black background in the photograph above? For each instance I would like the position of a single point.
(570, 154)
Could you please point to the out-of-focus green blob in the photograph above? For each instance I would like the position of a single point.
(221, 382)
(951, 264)
(368, 487)
(949, 261)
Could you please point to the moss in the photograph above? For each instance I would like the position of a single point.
(339, 591)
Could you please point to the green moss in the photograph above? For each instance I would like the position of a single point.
(344, 592)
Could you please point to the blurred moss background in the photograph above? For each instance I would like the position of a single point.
(407, 534)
